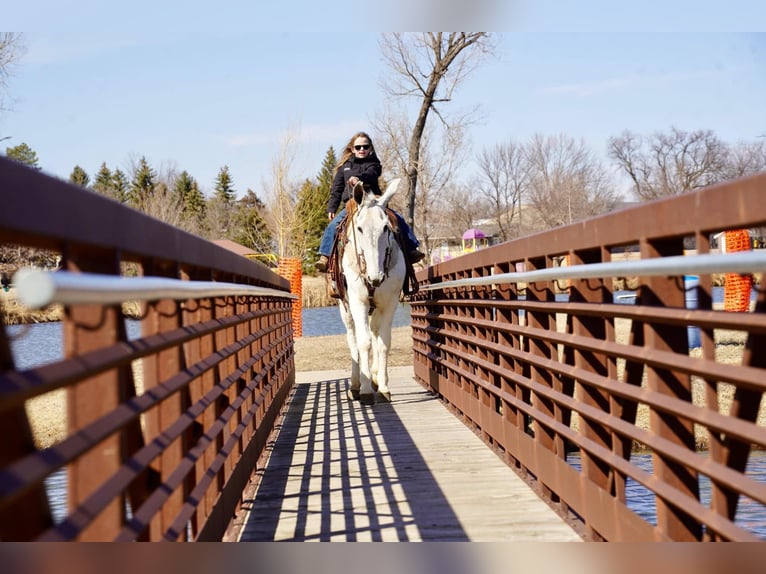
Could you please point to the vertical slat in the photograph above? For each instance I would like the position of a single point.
(542, 349)
(164, 316)
(191, 315)
(87, 328)
(29, 515)
(667, 292)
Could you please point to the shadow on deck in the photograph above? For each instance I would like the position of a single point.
(401, 471)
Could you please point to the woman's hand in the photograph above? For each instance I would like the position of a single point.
(353, 180)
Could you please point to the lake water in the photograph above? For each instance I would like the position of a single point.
(751, 515)
(41, 343)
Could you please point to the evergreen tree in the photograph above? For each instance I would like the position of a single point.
(79, 177)
(224, 187)
(188, 194)
(103, 184)
(120, 186)
(326, 174)
(312, 208)
(22, 153)
(251, 229)
(142, 185)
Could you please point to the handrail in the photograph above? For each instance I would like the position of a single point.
(741, 262)
(38, 288)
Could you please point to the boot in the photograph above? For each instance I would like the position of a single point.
(416, 255)
(321, 265)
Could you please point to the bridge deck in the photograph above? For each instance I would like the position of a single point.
(404, 471)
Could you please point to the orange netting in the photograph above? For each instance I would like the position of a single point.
(736, 288)
(290, 269)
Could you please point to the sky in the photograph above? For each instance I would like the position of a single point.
(195, 92)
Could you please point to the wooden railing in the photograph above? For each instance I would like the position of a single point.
(162, 431)
(568, 384)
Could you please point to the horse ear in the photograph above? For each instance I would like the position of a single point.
(358, 192)
(389, 193)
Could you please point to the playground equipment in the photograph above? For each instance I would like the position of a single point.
(474, 239)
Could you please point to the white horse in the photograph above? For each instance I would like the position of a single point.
(374, 269)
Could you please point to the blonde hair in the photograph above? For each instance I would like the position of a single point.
(348, 151)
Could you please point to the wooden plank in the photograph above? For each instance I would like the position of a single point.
(404, 471)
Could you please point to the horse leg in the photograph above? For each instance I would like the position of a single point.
(373, 362)
(363, 344)
(355, 378)
(380, 326)
(348, 321)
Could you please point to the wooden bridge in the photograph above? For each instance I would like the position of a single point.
(520, 364)
(393, 472)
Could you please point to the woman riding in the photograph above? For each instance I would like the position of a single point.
(358, 162)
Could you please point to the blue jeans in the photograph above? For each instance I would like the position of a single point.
(325, 246)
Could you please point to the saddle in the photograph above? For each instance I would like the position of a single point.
(334, 271)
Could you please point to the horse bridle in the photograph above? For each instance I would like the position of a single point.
(360, 261)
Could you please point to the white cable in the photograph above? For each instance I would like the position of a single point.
(37, 288)
(739, 262)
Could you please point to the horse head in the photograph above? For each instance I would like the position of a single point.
(371, 235)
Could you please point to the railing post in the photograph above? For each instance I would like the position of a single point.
(668, 292)
(87, 328)
(163, 316)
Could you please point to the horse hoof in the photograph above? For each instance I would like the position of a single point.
(367, 399)
(353, 395)
(374, 386)
(385, 396)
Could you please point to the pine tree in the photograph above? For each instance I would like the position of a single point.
(142, 185)
(22, 153)
(186, 189)
(312, 208)
(224, 187)
(326, 174)
(103, 184)
(120, 186)
(79, 177)
(250, 222)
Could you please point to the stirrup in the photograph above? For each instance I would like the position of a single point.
(416, 255)
(321, 264)
(333, 289)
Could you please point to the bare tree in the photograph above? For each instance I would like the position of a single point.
(503, 175)
(567, 182)
(458, 209)
(461, 206)
(281, 198)
(440, 157)
(743, 159)
(669, 163)
(429, 66)
(440, 160)
(164, 205)
(11, 50)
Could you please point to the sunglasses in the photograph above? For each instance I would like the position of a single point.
(361, 147)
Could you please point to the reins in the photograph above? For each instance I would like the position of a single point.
(361, 263)
(410, 284)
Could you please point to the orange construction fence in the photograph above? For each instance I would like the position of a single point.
(736, 287)
(290, 269)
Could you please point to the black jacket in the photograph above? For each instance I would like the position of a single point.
(367, 169)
